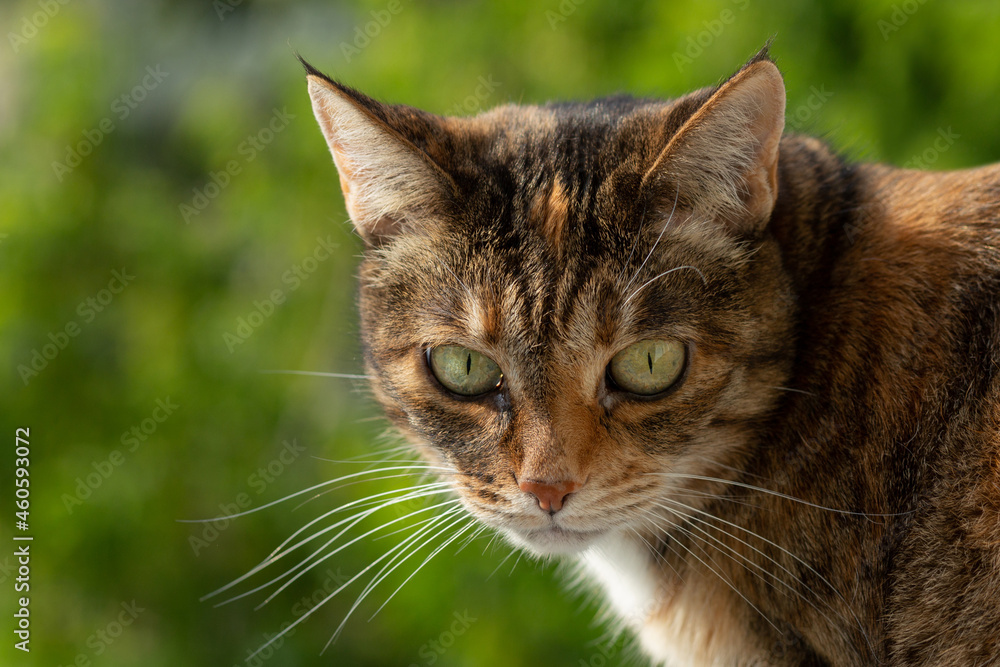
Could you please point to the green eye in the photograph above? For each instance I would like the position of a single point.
(648, 367)
(464, 371)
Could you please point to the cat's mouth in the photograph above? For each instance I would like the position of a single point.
(554, 539)
(564, 532)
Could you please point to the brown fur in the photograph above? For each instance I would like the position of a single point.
(833, 447)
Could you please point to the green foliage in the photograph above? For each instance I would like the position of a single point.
(173, 143)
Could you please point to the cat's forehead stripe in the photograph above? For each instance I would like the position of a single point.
(549, 212)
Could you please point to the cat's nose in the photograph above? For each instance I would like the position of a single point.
(551, 496)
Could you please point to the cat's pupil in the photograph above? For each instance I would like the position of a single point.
(649, 358)
(468, 364)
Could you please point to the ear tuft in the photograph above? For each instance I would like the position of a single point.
(310, 70)
(389, 184)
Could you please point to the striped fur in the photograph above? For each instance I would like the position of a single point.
(822, 487)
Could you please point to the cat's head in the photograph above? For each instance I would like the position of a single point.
(576, 309)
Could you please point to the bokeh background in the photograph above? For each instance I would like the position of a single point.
(172, 142)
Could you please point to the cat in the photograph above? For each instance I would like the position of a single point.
(749, 386)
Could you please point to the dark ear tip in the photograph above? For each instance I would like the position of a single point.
(765, 52)
(310, 70)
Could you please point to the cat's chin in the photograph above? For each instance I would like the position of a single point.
(553, 541)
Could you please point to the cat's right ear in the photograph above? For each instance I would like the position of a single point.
(722, 163)
(389, 184)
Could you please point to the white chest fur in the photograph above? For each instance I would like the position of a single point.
(679, 624)
(623, 567)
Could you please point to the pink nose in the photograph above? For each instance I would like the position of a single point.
(551, 497)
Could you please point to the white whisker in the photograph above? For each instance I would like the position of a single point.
(294, 494)
(439, 549)
(775, 493)
(655, 243)
(778, 579)
(366, 481)
(516, 561)
(278, 553)
(788, 553)
(318, 556)
(730, 584)
(359, 461)
(372, 504)
(329, 597)
(729, 553)
(797, 391)
(657, 277)
(653, 550)
(505, 559)
(304, 565)
(403, 555)
(347, 376)
(691, 518)
(379, 578)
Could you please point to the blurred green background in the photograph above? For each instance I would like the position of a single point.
(172, 143)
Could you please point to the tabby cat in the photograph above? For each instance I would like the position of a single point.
(752, 388)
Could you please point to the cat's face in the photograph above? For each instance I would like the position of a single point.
(577, 311)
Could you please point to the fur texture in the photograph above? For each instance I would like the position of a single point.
(822, 485)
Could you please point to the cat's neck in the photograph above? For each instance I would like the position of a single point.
(880, 265)
(821, 201)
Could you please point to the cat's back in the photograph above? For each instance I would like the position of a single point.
(900, 321)
(929, 243)
(951, 204)
(936, 237)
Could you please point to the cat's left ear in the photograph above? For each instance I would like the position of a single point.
(390, 185)
(723, 162)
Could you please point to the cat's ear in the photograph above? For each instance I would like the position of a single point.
(389, 183)
(723, 161)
